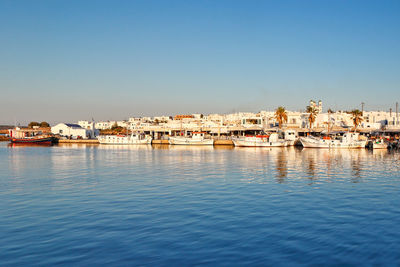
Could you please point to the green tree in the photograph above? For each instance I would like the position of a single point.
(44, 124)
(281, 116)
(33, 123)
(115, 126)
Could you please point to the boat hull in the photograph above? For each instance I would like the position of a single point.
(242, 143)
(308, 142)
(42, 141)
(123, 140)
(290, 142)
(267, 140)
(379, 145)
(190, 141)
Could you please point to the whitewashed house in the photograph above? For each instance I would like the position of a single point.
(161, 119)
(89, 125)
(73, 131)
(379, 119)
(104, 125)
(295, 119)
(252, 121)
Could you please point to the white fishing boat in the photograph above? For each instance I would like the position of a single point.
(348, 140)
(379, 144)
(290, 136)
(197, 138)
(271, 140)
(133, 139)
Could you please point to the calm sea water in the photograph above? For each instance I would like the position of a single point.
(172, 206)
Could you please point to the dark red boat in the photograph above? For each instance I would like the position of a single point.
(47, 140)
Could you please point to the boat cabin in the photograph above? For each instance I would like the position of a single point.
(290, 135)
(26, 132)
(198, 135)
(273, 137)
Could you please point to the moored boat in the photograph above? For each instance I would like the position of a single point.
(271, 140)
(133, 139)
(197, 138)
(379, 144)
(348, 140)
(30, 136)
(44, 140)
(290, 136)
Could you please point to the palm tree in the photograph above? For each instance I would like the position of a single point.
(313, 114)
(357, 117)
(281, 116)
(330, 111)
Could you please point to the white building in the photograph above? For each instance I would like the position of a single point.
(104, 125)
(73, 131)
(379, 120)
(87, 124)
(251, 121)
(161, 119)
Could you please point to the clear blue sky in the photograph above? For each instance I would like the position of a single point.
(71, 60)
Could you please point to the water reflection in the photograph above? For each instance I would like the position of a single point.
(379, 153)
(317, 164)
(356, 166)
(281, 166)
(15, 145)
(95, 204)
(310, 165)
(190, 148)
(160, 146)
(327, 164)
(125, 147)
(253, 165)
(224, 147)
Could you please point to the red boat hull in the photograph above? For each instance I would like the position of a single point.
(42, 141)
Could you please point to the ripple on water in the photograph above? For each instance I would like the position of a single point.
(89, 205)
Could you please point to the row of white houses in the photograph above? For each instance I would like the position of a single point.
(224, 123)
(371, 120)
